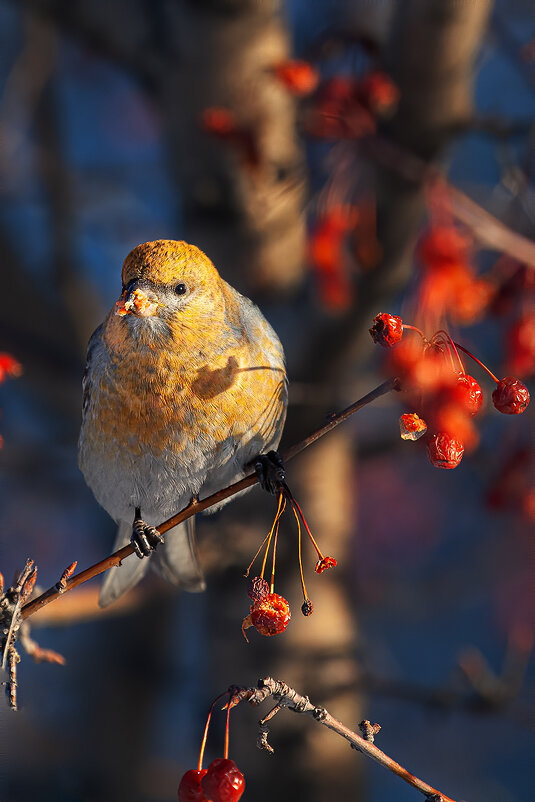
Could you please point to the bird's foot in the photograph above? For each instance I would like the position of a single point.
(270, 471)
(144, 538)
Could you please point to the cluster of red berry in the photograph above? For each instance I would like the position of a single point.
(347, 107)
(433, 376)
(448, 283)
(270, 613)
(222, 781)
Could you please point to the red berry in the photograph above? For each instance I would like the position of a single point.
(190, 789)
(324, 563)
(510, 396)
(443, 243)
(271, 614)
(299, 77)
(387, 329)
(445, 451)
(223, 781)
(468, 393)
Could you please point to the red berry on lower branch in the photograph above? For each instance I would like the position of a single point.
(510, 396)
(223, 781)
(190, 789)
(445, 451)
(271, 614)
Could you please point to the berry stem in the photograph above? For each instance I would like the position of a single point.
(452, 345)
(479, 362)
(206, 726)
(300, 511)
(418, 331)
(280, 510)
(299, 554)
(227, 731)
(275, 538)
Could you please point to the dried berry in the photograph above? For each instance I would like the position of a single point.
(190, 789)
(445, 451)
(270, 615)
(258, 589)
(387, 329)
(324, 563)
(223, 781)
(411, 426)
(510, 396)
(307, 608)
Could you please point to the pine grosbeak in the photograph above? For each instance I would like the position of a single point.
(185, 385)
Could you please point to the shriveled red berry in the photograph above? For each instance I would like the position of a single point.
(190, 789)
(387, 329)
(307, 608)
(510, 396)
(445, 451)
(271, 615)
(258, 589)
(324, 563)
(468, 393)
(223, 781)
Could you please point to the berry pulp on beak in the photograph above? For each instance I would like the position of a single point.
(136, 302)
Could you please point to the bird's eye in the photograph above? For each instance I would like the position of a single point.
(180, 289)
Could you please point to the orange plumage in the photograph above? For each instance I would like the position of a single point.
(185, 386)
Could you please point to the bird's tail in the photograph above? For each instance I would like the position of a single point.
(175, 560)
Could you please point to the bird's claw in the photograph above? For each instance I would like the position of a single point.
(144, 538)
(270, 471)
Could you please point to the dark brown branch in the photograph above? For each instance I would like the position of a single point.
(196, 506)
(284, 696)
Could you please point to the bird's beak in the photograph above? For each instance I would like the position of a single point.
(135, 301)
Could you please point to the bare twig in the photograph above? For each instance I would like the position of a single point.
(196, 506)
(284, 696)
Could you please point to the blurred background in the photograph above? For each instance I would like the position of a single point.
(310, 184)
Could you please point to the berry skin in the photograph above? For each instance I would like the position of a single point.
(445, 451)
(270, 615)
(510, 396)
(223, 781)
(468, 393)
(387, 330)
(190, 789)
(258, 589)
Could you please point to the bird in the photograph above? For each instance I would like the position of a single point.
(184, 392)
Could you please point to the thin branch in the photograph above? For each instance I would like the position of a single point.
(196, 506)
(284, 696)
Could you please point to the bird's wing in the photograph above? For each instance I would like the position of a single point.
(86, 379)
(176, 559)
(122, 577)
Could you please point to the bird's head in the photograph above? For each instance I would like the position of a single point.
(169, 281)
